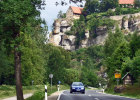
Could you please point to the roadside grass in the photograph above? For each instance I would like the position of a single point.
(40, 95)
(37, 90)
(130, 91)
(8, 91)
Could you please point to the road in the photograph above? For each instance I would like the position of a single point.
(90, 95)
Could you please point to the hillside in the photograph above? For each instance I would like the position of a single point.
(128, 23)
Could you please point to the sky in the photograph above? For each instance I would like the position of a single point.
(51, 11)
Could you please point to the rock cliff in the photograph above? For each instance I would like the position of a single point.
(127, 23)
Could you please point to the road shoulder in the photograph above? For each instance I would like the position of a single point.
(55, 96)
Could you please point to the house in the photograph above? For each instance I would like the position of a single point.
(127, 79)
(74, 12)
(126, 2)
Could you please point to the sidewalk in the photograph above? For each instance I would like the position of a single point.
(15, 98)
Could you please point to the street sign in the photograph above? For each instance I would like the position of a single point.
(51, 76)
(117, 75)
(59, 82)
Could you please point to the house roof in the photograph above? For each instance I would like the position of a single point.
(76, 10)
(126, 2)
(126, 75)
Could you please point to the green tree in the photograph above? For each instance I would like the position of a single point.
(134, 44)
(78, 29)
(6, 66)
(58, 60)
(108, 4)
(98, 22)
(71, 75)
(89, 77)
(13, 19)
(118, 57)
(132, 66)
(137, 4)
(32, 61)
(61, 14)
(113, 41)
(136, 66)
(91, 6)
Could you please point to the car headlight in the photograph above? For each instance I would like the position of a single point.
(82, 88)
(73, 88)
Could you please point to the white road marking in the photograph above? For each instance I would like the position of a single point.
(60, 95)
(96, 99)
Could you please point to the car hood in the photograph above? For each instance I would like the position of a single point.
(77, 86)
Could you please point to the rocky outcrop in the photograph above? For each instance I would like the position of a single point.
(128, 23)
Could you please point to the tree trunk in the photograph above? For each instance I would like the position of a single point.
(17, 56)
(19, 90)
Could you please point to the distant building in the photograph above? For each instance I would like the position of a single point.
(127, 79)
(74, 12)
(126, 2)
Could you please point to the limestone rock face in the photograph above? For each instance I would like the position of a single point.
(127, 23)
(68, 42)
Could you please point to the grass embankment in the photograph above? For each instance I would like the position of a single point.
(38, 90)
(39, 95)
(132, 91)
(8, 91)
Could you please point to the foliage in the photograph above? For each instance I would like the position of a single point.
(6, 66)
(122, 55)
(58, 59)
(9, 90)
(61, 14)
(89, 77)
(130, 91)
(89, 61)
(137, 4)
(110, 12)
(91, 6)
(15, 15)
(32, 62)
(37, 96)
(117, 59)
(78, 29)
(134, 43)
(112, 42)
(120, 11)
(108, 4)
(98, 22)
(71, 75)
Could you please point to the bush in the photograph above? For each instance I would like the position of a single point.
(37, 96)
(118, 11)
(110, 12)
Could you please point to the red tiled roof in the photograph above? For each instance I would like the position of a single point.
(76, 10)
(126, 2)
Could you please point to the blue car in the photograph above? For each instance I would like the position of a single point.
(77, 87)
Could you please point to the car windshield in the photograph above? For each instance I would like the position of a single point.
(77, 84)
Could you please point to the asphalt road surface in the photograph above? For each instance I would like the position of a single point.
(90, 95)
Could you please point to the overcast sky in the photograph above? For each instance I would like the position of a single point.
(51, 11)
